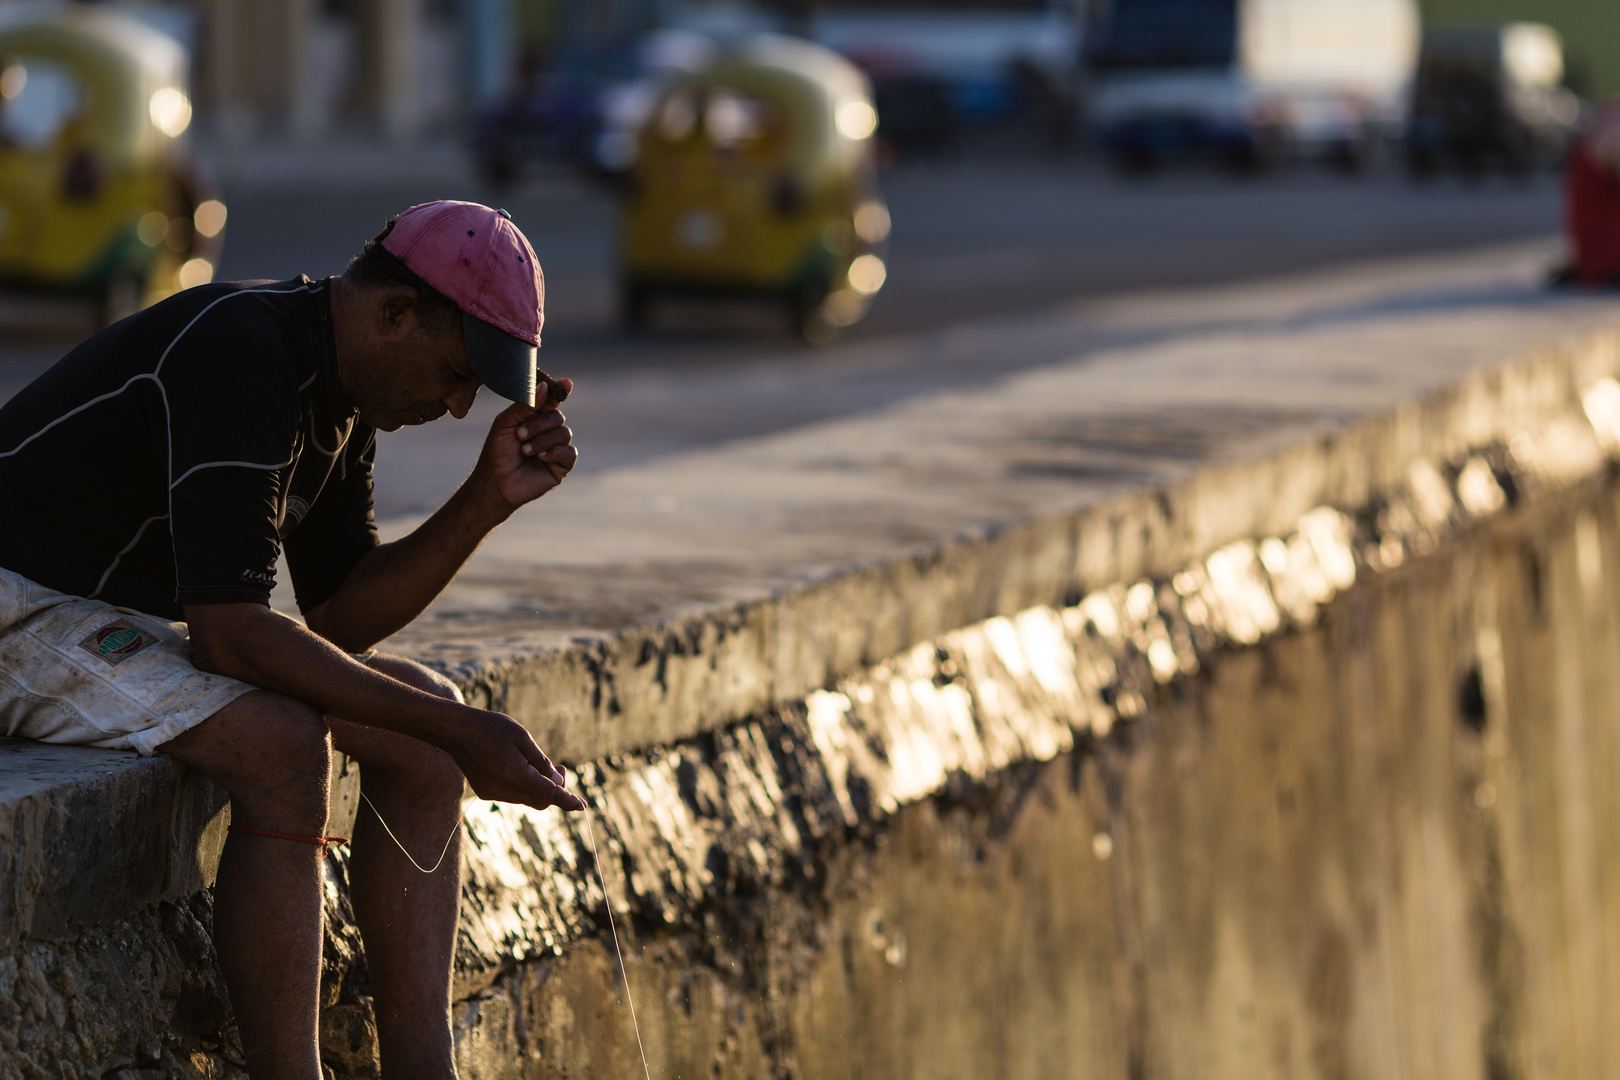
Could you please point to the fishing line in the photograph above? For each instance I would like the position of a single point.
(407, 854)
(590, 834)
(596, 858)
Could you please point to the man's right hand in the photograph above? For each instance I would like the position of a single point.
(502, 762)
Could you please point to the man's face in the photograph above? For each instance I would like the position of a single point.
(410, 375)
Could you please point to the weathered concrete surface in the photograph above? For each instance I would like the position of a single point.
(93, 836)
(808, 878)
(136, 998)
(139, 996)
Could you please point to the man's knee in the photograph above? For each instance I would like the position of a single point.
(263, 746)
(292, 746)
(394, 760)
(411, 673)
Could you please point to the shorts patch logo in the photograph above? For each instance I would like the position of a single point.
(117, 642)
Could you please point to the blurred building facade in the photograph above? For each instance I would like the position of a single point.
(401, 68)
(397, 68)
(1591, 31)
(302, 67)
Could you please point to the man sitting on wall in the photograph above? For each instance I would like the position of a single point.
(151, 479)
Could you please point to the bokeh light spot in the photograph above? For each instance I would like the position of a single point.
(856, 119)
(209, 218)
(867, 274)
(152, 228)
(12, 81)
(170, 110)
(872, 222)
(196, 272)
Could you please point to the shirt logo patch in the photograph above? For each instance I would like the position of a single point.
(117, 642)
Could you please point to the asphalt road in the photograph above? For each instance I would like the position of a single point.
(988, 259)
(972, 238)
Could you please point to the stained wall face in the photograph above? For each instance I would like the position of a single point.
(1388, 846)
(1380, 845)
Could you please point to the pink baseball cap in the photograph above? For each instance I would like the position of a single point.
(478, 258)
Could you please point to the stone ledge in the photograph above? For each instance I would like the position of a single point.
(90, 835)
(606, 624)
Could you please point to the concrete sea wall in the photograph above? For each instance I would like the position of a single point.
(1326, 804)
(1296, 769)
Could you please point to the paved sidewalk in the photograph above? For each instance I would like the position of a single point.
(346, 161)
(1249, 370)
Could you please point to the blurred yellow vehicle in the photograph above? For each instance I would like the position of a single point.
(755, 177)
(97, 195)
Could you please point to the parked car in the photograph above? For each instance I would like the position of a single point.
(936, 73)
(98, 195)
(588, 110)
(1490, 97)
(755, 177)
(1249, 82)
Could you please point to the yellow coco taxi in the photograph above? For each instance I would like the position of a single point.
(755, 177)
(96, 193)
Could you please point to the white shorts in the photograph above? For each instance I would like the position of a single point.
(84, 672)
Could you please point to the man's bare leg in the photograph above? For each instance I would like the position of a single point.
(407, 918)
(273, 756)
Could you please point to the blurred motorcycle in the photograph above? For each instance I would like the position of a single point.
(98, 195)
(755, 177)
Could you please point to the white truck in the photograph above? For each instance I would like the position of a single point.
(1249, 82)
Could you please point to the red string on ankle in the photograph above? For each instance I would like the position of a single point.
(323, 842)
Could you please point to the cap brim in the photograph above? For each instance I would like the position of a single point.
(502, 362)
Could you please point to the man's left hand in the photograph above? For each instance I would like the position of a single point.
(528, 451)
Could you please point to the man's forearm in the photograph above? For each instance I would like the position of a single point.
(256, 645)
(527, 453)
(396, 582)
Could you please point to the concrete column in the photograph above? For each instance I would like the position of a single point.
(217, 82)
(253, 69)
(388, 54)
(282, 29)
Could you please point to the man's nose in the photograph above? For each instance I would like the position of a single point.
(460, 400)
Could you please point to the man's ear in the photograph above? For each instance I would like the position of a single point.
(396, 311)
